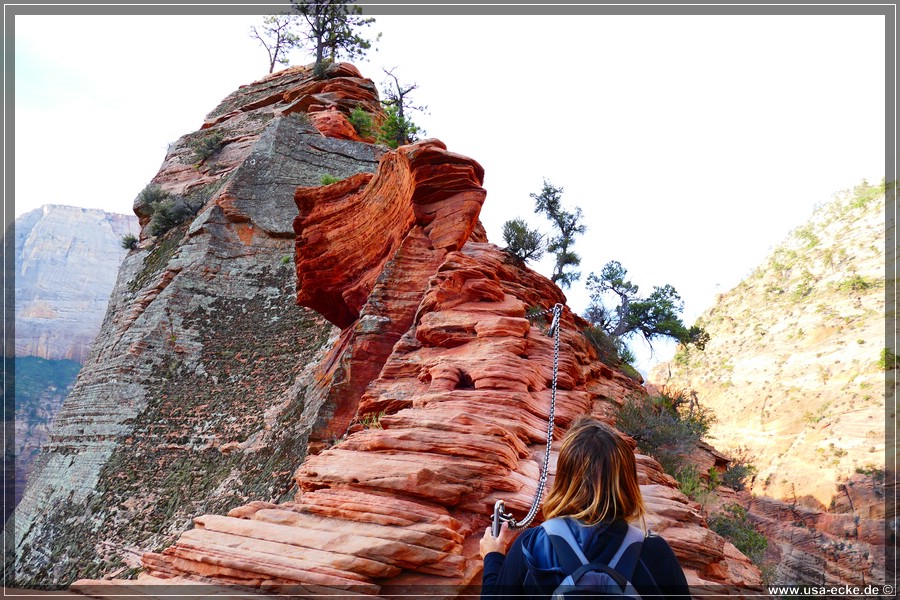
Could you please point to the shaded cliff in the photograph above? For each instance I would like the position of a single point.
(794, 371)
(40, 386)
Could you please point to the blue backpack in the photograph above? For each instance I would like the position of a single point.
(594, 579)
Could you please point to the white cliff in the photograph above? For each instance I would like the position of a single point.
(67, 259)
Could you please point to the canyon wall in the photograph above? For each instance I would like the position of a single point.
(66, 260)
(794, 372)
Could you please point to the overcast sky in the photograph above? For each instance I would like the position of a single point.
(693, 144)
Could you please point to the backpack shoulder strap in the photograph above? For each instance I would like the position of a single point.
(564, 544)
(572, 557)
(626, 558)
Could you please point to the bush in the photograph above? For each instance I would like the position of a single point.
(739, 470)
(887, 360)
(321, 68)
(612, 351)
(858, 283)
(734, 525)
(397, 130)
(327, 179)
(167, 210)
(666, 427)
(689, 481)
(151, 194)
(715, 480)
(129, 241)
(207, 145)
(168, 213)
(604, 344)
(362, 122)
(865, 193)
(300, 117)
(522, 242)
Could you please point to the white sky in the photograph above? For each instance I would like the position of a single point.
(693, 144)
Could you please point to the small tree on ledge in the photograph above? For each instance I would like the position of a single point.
(567, 225)
(657, 315)
(521, 241)
(397, 128)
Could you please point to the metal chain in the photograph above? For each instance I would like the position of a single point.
(539, 493)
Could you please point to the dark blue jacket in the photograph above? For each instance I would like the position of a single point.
(532, 569)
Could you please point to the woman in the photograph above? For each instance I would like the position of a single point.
(596, 488)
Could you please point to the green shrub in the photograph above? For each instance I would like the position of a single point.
(168, 210)
(362, 122)
(806, 234)
(522, 242)
(740, 469)
(682, 356)
(805, 287)
(300, 117)
(612, 351)
(321, 68)
(372, 420)
(715, 480)
(876, 473)
(865, 193)
(734, 525)
(129, 241)
(168, 213)
(604, 344)
(857, 283)
(327, 179)
(689, 482)
(207, 145)
(151, 194)
(666, 427)
(397, 130)
(887, 360)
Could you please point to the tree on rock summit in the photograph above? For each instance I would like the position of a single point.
(331, 27)
(276, 36)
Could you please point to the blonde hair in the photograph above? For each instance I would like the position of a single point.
(596, 476)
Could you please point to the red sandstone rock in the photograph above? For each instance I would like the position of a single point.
(842, 545)
(333, 123)
(447, 386)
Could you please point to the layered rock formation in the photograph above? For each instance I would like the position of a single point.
(438, 397)
(356, 446)
(839, 545)
(794, 372)
(194, 396)
(66, 261)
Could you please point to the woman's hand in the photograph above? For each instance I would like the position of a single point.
(499, 544)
